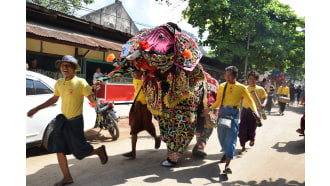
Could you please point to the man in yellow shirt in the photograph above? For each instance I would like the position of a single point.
(248, 126)
(141, 117)
(283, 90)
(68, 134)
(230, 107)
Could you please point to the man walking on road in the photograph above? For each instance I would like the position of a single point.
(285, 92)
(68, 134)
(229, 107)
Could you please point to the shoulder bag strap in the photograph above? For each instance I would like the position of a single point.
(223, 96)
(137, 95)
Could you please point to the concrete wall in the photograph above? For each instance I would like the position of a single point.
(113, 16)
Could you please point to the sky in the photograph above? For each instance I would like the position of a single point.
(154, 13)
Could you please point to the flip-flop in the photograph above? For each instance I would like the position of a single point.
(242, 152)
(61, 183)
(105, 154)
(129, 155)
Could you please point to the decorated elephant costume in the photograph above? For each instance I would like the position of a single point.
(174, 84)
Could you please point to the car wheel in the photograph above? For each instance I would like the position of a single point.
(49, 130)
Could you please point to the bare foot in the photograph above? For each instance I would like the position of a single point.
(65, 181)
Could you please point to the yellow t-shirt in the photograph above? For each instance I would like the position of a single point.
(137, 86)
(72, 93)
(283, 91)
(261, 93)
(234, 93)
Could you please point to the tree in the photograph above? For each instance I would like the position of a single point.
(64, 6)
(277, 36)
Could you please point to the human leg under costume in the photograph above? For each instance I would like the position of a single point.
(141, 120)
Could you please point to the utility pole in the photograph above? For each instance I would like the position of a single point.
(246, 59)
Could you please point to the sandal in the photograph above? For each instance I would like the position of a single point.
(227, 171)
(199, 153)
(300, 131)
(105, 160)
(251, 143)
(130, 155)
(168, 163)
(242, 152)
(61, 183)
(223, 159)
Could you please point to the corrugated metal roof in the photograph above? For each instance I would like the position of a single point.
(72, 37)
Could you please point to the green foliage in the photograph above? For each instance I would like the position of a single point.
(277, 35)
(65, 6)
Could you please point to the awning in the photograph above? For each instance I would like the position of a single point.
(81, 40)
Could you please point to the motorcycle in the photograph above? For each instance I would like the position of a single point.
(106, 117)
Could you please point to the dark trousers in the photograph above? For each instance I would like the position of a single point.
(247, 126)
(282, 106)
(269, 103)
(68, 137)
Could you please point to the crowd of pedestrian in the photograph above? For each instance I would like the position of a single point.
(232, 96)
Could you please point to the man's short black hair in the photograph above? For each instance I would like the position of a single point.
(254, 73)
(233, 69)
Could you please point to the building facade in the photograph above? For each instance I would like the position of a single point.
(113, 16)
(51, 34)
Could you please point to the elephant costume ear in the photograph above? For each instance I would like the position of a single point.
(187, 53)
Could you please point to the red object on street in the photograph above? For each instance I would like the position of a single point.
(119, 93)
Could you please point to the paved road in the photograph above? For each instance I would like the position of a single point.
(278, 158)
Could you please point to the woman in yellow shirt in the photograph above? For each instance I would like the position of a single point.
(141, 116)
(230, 107)
(283, 90)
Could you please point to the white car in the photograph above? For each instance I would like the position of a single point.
(40, 88)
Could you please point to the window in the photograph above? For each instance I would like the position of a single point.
(41, 88)
(30, 87)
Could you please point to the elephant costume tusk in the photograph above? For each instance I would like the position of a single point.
(133, 55)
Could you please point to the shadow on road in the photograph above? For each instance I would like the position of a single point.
(147, 168)
(295, 109)
(292, 147)
(119, 170)
(36, 151)
(90, 135)
(278, 182)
